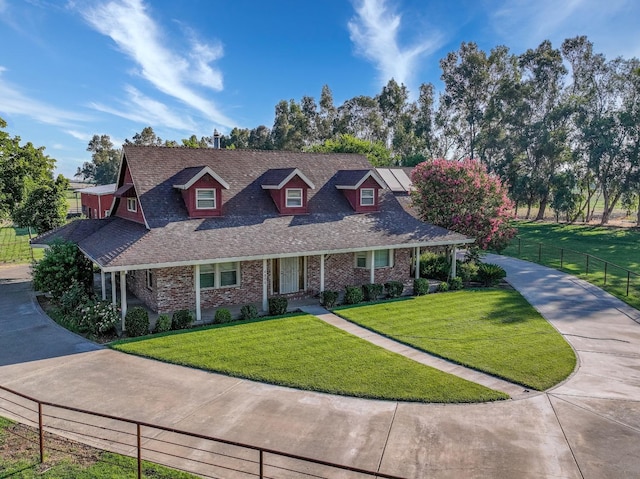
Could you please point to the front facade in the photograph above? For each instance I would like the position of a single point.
(198, 229)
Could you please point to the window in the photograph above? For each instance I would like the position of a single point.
(132, 205)
(149, 275)
(220, 275)
(294, 197)
(382, 258)
(206, 199)
(367, 197)
(106, 213)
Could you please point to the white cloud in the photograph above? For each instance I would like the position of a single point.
(610, 25)
(13, 101)
(128, 24)
(374, 31)
(146, 110)
(79, 135)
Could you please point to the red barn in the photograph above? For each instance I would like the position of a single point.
(96, 200)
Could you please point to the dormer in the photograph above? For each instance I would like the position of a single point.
(289, 189)
(360, 187)
(201, 190)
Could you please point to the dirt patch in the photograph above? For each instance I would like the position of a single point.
(21, 443)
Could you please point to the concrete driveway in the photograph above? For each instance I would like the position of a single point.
(588, 427)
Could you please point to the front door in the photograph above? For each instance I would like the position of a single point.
(289, 275)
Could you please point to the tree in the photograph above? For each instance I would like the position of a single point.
(62, 266)
(260, 138)
(194, 142)
(45, 208)
(463, 197)
(104, 164)
(22, 169)
(327, 114)
(376, 152)
(146, 137)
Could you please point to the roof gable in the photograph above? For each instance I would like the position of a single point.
(353, 179)
(193, 176)
(276, 179)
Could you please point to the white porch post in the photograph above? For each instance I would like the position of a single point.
(103, 284)
(321, 273)
(196, 280)
(123, 296)
(372, 265)
(114, 299)
(454, 253)
(265, 286)
(416, 273)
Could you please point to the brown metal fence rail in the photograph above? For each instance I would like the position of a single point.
(199, 454)
(618, 280)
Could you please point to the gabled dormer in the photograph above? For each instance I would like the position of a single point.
(361, 188)
(289, 189)
(126, 200)
(201, 190)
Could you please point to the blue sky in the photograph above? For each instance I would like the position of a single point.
(70, 69)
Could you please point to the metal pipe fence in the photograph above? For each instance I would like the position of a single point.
(616, 279)
(199, 454)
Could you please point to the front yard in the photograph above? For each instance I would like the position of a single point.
(301, 351)
(491, 330)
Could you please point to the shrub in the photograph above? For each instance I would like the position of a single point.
(420, 287)
(278, 305)
(372, 291)
(329, 298)
(435, 266)
(248, 311)
(490, 274)
(73, 298)
(137, 322)
(99, 317)
(163, 324)
(455, 283)
(442, 287)
(223, 315)
(63, 263)
(353, 295)
(394, 289)
(181, 319)
(468, 271)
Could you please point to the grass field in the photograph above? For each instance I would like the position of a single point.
(303, 352)
(492, 330)
(64, 459)
(562, 246)
(15, 248)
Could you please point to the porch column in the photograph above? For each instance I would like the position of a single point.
(265, 286)
(372, 265)
(416, 273)
(123, 296)
(114, 299)
(196, 281)
(321, 273)
(454, 253)
(103, 284)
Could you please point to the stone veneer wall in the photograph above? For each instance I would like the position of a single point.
(249, 291)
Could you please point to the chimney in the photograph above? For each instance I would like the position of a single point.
(216, 140)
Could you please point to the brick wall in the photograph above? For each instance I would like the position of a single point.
(174, 288)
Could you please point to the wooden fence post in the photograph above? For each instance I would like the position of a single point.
(41, 432)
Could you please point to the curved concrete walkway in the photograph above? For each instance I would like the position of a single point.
(588, 427)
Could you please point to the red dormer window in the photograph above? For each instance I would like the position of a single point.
(360, 188)
(289, 190)
(201, 190)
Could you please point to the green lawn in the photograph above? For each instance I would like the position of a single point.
(64, 459)
(301, 351)
(560, 244)
(14, 246)
(492, 330)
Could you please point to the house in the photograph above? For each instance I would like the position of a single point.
(96, 200)
(201, 228)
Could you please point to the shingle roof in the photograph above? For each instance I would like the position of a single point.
(99, 190)
(251, 226)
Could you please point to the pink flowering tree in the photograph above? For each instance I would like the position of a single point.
(464, 197)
